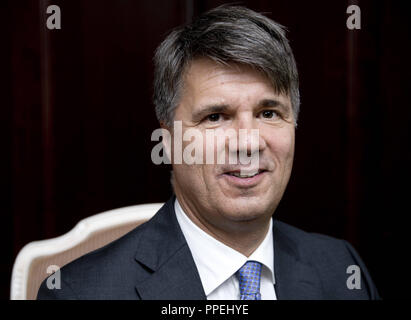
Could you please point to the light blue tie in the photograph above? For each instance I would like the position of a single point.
(249, 276)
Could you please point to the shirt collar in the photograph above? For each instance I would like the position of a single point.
(215, 261)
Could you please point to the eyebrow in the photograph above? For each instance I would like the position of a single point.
(272, 103)
(209, 109)
(220, 108)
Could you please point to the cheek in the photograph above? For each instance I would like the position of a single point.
(281, 144)
(194, 178)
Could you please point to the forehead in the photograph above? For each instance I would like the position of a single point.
(205, 79)
(203, 72)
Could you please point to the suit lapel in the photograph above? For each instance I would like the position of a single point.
(294, 279)
(166, 261)
(168, 271)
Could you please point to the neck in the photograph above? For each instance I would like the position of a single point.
(242, 236)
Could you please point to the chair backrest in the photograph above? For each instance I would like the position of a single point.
(38, 259)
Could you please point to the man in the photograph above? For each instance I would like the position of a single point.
(231, 69)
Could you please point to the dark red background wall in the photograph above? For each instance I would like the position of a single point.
(76, 120)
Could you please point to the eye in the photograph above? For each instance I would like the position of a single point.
(269, 114)
(213, 117)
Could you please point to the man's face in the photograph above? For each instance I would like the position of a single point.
(234, 97)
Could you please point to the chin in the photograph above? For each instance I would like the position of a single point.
(246, 209)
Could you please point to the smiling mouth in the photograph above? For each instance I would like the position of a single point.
(238, 174)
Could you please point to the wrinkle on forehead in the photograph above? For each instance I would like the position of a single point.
(204, 74)
(237, 87)
(205, 70)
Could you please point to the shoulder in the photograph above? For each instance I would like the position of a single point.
(112, 271)
(112, 265)
(333, 259)
(314, 248)
(303, 240)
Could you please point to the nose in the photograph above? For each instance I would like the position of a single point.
(250, 141)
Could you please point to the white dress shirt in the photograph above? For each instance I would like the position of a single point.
(217, 263)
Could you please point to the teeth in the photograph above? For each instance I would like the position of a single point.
(239, 175)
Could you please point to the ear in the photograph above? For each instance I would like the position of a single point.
(167, 138)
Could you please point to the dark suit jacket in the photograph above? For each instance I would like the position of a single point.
(154, 262)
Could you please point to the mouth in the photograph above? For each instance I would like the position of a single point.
(244, 179)
(243, 175)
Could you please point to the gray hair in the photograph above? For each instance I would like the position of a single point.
(226, 34)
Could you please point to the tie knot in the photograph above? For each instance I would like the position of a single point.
(249, 276)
